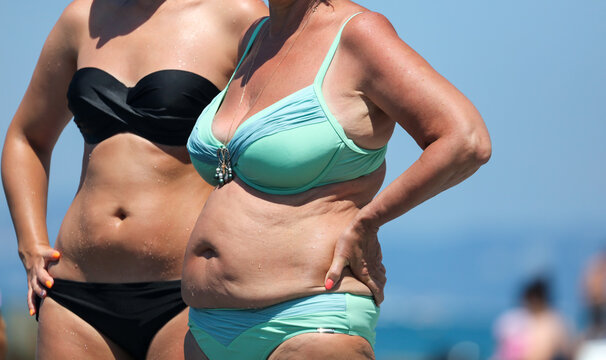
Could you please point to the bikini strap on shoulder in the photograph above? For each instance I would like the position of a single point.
(249, 45)
(332, 51)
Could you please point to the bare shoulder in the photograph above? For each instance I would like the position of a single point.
(73, 22)
(241, 13)
(373, 43)
(245, 8)
(241, 18)
(76, 14)
(367, 31)
(245, 14)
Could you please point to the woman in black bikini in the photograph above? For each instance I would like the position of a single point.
(137, 73)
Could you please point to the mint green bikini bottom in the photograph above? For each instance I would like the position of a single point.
(226, 334)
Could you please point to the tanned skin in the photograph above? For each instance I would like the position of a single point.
(252, 249)
(137, 201)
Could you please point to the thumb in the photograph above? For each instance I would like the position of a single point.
(335, 271)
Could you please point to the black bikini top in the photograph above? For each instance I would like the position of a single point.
(162, 107)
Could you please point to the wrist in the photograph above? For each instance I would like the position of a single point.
(366, 222)
(28, 254)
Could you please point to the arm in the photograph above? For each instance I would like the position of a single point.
(406, 90)
(26, 156)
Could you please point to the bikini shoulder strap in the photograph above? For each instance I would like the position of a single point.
(249, 45)
(331, 52)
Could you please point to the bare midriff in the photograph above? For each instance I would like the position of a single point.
(132, 215)
(250, 249)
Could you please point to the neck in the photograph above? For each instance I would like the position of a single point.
(286, 16)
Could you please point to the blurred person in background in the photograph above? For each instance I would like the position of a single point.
(594, 290)
(3, 342)
(534, 331)
(593, 342)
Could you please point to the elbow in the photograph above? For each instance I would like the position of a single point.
(482, 149)
(475, 138)
(476, 147)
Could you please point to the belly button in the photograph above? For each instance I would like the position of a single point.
(209, 253)
(120, 214)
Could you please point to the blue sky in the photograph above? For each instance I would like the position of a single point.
(536, 72)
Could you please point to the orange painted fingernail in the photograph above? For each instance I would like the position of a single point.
(32, 312)
(49, 284)
(56, 255)
(329, 284)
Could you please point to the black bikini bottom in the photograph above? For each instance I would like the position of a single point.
(130, 314)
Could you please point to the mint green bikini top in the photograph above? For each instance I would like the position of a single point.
(289, 147)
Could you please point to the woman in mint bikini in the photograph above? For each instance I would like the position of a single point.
(284, 261)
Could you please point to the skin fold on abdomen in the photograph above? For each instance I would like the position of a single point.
(250, 249)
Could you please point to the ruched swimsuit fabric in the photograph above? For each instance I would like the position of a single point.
(162, 107)
(289, 147)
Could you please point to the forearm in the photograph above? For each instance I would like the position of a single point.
(25, 180)
(443, 164)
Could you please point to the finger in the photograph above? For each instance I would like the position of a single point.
(382, 269)
(335, 271)
(31, 301)
(377, 291)
(379, 297)
(373, 277)
(360, 270)
(379, 275)
(380, 279)
(45, 279)
(37, 288)
(50, 255)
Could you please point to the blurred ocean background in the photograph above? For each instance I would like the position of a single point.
(536, 72)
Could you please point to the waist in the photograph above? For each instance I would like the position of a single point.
(127, 253)
(209, 292)
(242, 256)
(129, 256)
(111, 236)
(320, 303)
(115, 209)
